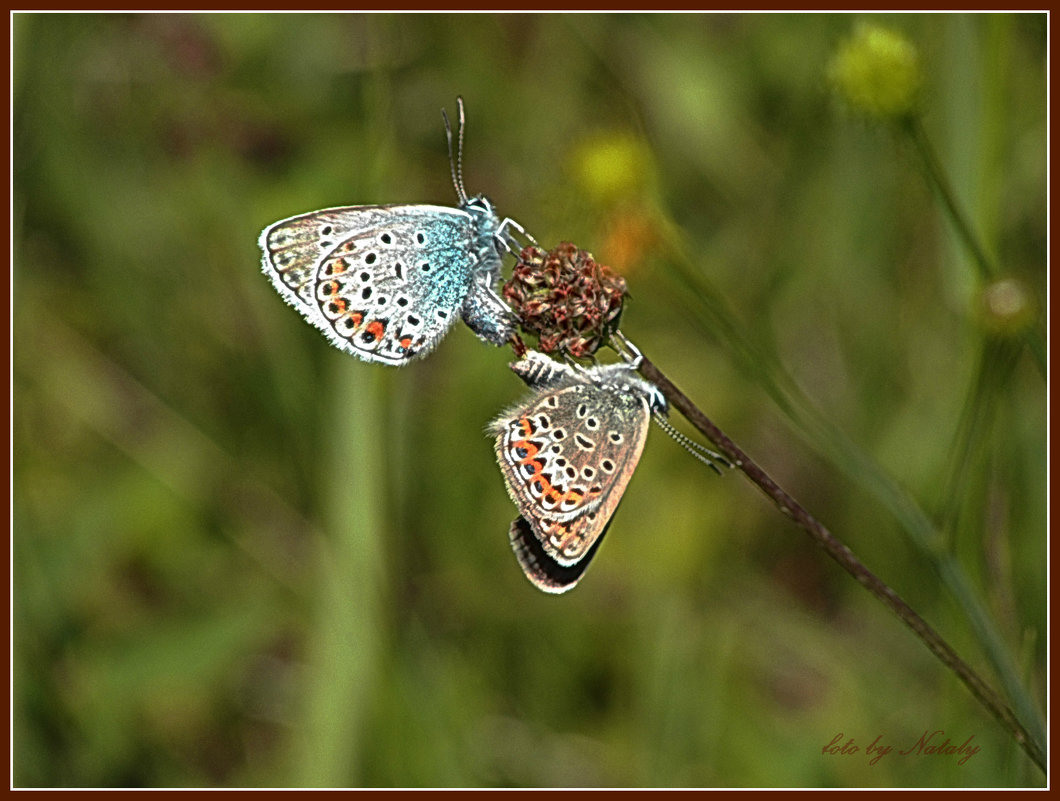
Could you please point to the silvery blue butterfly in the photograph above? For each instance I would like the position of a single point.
(567, 453)
(385, 283)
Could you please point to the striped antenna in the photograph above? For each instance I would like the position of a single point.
(708, 457)
(456, 161)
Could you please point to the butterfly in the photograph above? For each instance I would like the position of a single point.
(567, 454)
(385, 283)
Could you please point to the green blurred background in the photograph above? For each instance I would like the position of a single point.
(242, 558)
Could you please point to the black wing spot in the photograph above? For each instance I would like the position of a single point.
(412, 318)
(366, 277)
(608, 466)
(366, 292)
(370, 258)
(326, 230)
(420, 238)
(386, 239)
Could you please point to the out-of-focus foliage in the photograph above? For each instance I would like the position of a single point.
(244, 559)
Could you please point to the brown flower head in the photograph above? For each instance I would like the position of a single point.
(571, 303)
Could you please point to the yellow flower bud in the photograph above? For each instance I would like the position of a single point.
(612, 168)
(877, 71)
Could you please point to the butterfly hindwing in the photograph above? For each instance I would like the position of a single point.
(384, 283)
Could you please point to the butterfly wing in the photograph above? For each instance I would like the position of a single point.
(567, 457)
(540, 566)
(383, 283)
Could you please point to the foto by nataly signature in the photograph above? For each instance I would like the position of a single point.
(931, 743)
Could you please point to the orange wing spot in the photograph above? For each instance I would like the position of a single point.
(406, 342)
(339, 266)
(356, 317)
(330, 288)
(376, 329)
(572, 495)
(528, 446)
(338, 306)
(547, 490)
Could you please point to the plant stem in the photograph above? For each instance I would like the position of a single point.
(848, 561)
(937, 178)
(987, 268)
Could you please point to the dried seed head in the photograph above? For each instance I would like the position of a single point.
(571, 303)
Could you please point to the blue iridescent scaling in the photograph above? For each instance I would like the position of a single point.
(385, 283)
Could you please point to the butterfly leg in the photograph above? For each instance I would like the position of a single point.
(504, 237)
(627, 350)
